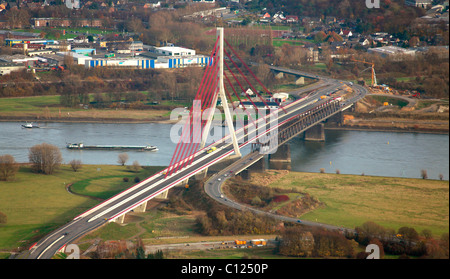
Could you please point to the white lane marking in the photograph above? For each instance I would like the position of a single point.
(48, 247)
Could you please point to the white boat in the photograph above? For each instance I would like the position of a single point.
(29, 125)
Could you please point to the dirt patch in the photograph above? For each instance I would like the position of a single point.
(258, 193)
(300, 206)
(268, 177)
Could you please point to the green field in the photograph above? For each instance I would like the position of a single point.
(49, 107)
(36, 204)
(351, 200)
(280, 42)
(27, 104)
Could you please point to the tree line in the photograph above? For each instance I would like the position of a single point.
(75, 85)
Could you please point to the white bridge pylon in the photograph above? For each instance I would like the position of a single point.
(223, 98)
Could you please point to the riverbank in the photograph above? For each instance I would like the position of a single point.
(397, 125)
(417, 116)
(357, 124)
(396, 113)
(97, 116)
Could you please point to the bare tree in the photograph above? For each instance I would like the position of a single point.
(8, 167)
(424, 174)
(45, 158)
(123, 158)
(75, 165)
(136, 166)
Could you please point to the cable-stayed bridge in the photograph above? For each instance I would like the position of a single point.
(258, 119)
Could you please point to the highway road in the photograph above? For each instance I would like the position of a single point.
(213, 187)
(129, 199)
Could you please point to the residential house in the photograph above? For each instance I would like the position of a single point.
(73, 4)
(265, 18)
(364, 42)
(291, 19)
(3, 6)
(278, 18)
(346, 33)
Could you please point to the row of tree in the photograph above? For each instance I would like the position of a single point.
(297, 241)
(406, 241)
(75, 85)
(46, 158)
(300, 241)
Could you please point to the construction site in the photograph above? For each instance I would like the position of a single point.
(389, 109)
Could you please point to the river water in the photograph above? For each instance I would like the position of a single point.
(352, 152)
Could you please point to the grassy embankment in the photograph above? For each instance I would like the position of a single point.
(48, 108)
(351, 200)
(35, 204)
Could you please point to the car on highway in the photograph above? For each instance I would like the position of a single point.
(211, 150)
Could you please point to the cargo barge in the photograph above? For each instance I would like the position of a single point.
(81, 146)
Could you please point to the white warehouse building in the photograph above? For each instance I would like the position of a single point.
(158, 57)
(174, 51)
(144, 63)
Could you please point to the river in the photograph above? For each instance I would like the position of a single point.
(352, 152)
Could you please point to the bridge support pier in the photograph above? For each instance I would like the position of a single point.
(280, 75)
(315, 133)
(300, 81)
(120, 219)
(142, 207)
(258, 167)
(163, 195)
(283, 154)
(336, 119)
(281, 160)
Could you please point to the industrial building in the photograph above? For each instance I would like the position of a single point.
(394, 52)
(7, 68)
(79, 59)
(44, 42)
(174, 51)
(156, 58)
(149, 63)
